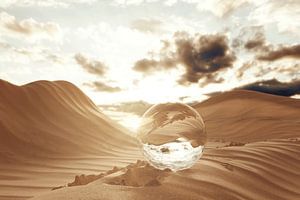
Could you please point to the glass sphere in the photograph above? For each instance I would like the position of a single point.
(172, 136)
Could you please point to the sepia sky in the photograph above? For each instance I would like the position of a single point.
(125, 52)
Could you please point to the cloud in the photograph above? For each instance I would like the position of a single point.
(203, 55)
(210, 78)
(292, 51)
(275, 87)
(251, 38)
(131, 2)
(103, 87)
(220, 8)
(147, 25)
(146, 65)
(272, 86)
(283, 14)
(42, 3)
(257, 42)
(244, 67)
(149, 66)
(279, 12)
(29, 28)
(269, 52)
(34, 53)
(92, 66)
(200, 55)
(292, 70)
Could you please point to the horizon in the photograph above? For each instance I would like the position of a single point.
(130, 116)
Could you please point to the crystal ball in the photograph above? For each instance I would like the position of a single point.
(172, 136)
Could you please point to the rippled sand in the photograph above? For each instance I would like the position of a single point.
(51, 132)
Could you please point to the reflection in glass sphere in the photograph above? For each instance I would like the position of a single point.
(172, 136)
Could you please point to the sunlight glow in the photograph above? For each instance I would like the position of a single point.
(131, 121)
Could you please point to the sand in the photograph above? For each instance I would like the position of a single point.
(50, 132)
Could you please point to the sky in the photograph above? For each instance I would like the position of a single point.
(129, 54)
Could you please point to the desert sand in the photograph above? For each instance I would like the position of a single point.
(51, 133)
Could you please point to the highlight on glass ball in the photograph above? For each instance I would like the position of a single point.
(172, 136)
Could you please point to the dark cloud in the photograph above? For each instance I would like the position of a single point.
(200, 55)
(147, 25)
(249, 37)
(268, 52)
(91, 66)
(135, 107)
(203, 56)
(292, 51)
(103, 87)
(275, 87)
(148, 66)
(272, 86)
(210, 78)
(257, 42)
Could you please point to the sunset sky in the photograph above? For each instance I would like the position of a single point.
(129, 54)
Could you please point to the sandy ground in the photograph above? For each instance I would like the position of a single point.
(51, 132)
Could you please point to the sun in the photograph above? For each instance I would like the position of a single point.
(132, 122)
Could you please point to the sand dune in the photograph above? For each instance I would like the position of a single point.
(54, 118)
(248, 116)
(50, 132)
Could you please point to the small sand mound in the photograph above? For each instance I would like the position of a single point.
(86, 179)
(138, 175)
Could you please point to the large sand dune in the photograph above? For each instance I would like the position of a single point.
(249, 116)
(55, 118)
(50, 132)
